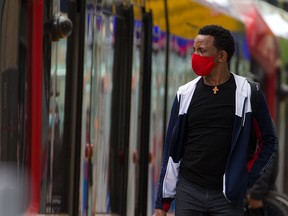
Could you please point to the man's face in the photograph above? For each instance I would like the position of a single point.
(204, 45)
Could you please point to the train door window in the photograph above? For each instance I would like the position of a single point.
(96, 110)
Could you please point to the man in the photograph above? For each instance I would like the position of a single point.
(206, 148)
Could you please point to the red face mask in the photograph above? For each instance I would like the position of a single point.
(202, 65)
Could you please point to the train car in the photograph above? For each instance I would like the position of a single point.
(86, 88)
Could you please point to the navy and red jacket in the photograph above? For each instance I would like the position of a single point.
(237, 177)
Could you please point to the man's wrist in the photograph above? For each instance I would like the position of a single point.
(159, 212)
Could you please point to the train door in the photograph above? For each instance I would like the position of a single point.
(97, 83)
(106, 108)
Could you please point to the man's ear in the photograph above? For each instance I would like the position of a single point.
(222, 56)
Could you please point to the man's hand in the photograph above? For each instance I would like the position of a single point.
(159, 212)
(254, 204)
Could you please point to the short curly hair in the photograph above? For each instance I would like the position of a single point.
(223, 39)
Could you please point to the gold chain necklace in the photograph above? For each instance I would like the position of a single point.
(216, 89)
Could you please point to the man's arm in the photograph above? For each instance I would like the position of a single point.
(269, 142)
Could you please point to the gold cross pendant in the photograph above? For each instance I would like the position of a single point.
(215, 90)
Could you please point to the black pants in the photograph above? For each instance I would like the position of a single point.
(193, 200)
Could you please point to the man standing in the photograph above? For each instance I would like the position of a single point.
(205, 158)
